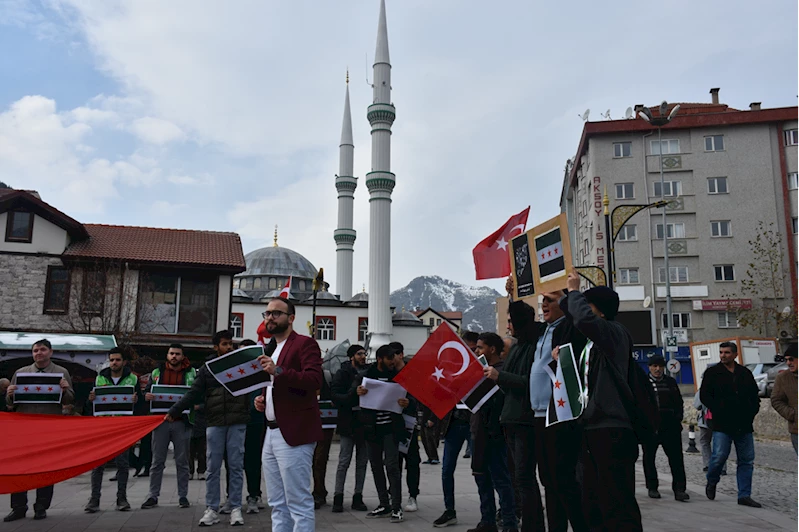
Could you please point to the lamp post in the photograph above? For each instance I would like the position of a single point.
(614, 222)
(660, 121)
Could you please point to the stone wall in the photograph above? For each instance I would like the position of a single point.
(768, 423)
(22, 282)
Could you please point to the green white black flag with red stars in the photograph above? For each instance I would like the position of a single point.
(165, 396)
(113, 400)
(38, 387)
(239, 371)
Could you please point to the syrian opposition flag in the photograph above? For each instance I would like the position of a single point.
(165, 396)
(239, 371)
(565, 404)
(482, 392)
(38, 388)
(286, 292)
(549, 255)
(442, 372)
(329, 414)
(113, 401)
(491, 259)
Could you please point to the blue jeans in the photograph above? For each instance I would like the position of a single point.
(453, 443)
(218, 439)
(745, 453)
(287, 471)
(497, 477)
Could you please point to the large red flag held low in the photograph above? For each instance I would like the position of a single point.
(491, 260)
(442, 372)
(40, 450)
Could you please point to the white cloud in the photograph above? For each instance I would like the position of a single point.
(201, 180)
(88, 115)
(156, 130)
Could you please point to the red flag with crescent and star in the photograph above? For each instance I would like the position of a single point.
(442, 372)
(491, 260)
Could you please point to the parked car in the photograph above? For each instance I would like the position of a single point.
(760, 372)
(772, 375)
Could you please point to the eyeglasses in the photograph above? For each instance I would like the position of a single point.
(277, 314)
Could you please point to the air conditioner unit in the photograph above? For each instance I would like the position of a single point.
(785, 334)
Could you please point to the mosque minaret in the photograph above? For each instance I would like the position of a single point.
(346, 183)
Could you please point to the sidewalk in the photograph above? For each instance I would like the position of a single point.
(667, 515)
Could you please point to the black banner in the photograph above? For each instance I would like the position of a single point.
(522, 266)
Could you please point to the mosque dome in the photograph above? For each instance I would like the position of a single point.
(361, 299)
(278, 261)
(406, 318)
(324, 298)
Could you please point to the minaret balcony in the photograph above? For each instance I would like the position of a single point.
(380, 181)
(344, 236)
(346, 182)
(381, 112)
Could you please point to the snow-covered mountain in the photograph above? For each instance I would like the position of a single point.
(476, 303)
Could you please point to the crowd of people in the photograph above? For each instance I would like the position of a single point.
(586, 466)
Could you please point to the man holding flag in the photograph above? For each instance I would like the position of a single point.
(176, 371)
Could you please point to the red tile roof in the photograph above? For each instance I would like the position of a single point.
(160, 246)
(445, 315)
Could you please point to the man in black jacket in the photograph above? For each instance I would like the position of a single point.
(349, 429)
(670, 406)
(610, 447)
(730, 394)
(489, 452)
(411, 458)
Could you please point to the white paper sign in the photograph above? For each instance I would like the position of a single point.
(382, 396)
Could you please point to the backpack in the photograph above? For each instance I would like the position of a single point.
(639, 400)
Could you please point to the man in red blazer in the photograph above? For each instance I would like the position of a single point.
(293, 422)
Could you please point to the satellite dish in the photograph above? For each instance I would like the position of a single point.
(786, 312)
(606, 115)
(628, 114)
(647, 301)
(585, 115)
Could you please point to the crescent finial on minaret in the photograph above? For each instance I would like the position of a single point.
(348, 75)
(275, 243)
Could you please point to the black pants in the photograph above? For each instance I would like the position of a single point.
(197, 452)
(672, 445)
(253, 446)
(557, 451)
(321, 455)
(412, 461)
(521, 444)
(608, 458)
(430, 439)
(384, 458)
(145, 458)
(44, 496)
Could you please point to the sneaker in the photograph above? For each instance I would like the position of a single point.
(483, 527)
(93, 506)
(149, 503)
(357, 503)
(748, 501)
(411, 506)
(435, 462)
(39, 514)
(396, 516)
(448, 518)
(210, 517)
(200, 476)
(252, 505)
(380, 511)
(710, 491)
(319, 501)
(467, 455)
(704, 469)
(236, 519)
(123, 505)
(15, 515)
(259, 502)
(338, 503)
(681, 496)
(654, 494)
(183, 502)
(225, 508)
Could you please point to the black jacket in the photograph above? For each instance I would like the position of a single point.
(514, 381)
(368, 418)
(731, 397)
(612, 348)
(486, 428)
(670, 405)
(344, 397)
(221, 407)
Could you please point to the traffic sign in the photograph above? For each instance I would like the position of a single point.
(671, 344)
(673, 366)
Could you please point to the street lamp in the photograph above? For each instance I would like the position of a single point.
(659, 122)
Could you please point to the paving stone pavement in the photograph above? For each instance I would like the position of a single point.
(667, 515)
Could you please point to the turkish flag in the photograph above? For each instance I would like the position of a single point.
(491, 260)
(442, 372)
(263, 334)
(286, 292)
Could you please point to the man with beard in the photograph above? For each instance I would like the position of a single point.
(293, 420)
(176, 371)
(349, 429)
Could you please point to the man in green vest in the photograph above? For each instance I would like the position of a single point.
(176, 371)
(116, 374)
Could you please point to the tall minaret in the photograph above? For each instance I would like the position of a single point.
(380, 182)
(345, 184)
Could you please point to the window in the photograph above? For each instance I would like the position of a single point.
(438, 322)
(717, 185)
(325, 327)
(236, 283)
(720, 228)
(676, 230)
(794, 223)
(704, 353)
(170, 304)
(56, 290)
(237, 325)
(728, 320)
(585, 208)
(724, 272)
(19, 226)
(628, 233)
(672, 188)
(791, 137)
(301, 286)
(363, 329)
(586, 248)
(432, 322)
(677, 274)
(93, 292)
(679, 320)
(622, 149)
(625, 191)
(628, 276)
(793, 181)
(669, 146)
(245, 283)
(256, 283)
(714, 143)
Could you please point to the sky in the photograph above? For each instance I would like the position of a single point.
(226, 116)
